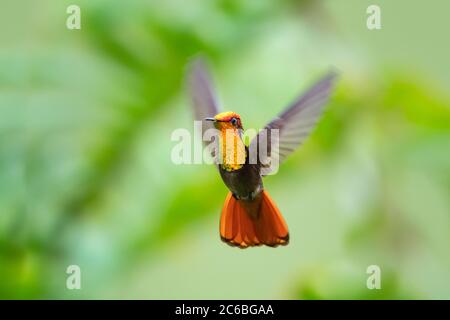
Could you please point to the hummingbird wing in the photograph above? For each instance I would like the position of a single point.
(204, 99)
(294, 125)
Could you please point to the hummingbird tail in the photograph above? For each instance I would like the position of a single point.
(240, 227)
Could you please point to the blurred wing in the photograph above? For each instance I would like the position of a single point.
(294, 125)
(204, 100)
(202, 91)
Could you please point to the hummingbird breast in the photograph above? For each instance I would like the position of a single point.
(245, 183)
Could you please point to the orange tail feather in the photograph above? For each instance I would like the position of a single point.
(239, 227)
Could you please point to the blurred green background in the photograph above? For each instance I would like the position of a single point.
(85, 172)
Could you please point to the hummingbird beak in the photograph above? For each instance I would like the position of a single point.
(210, 119)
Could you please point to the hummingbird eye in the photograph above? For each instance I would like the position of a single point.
(234, 121)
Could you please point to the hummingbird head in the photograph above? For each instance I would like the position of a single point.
(226, 120)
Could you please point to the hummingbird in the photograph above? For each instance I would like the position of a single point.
(249, 215)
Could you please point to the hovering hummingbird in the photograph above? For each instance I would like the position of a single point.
(249, 215)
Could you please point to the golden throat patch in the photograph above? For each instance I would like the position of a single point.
(231, 150)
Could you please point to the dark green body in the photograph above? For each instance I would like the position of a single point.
(245, 183)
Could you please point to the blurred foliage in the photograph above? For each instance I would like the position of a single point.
(85, 170)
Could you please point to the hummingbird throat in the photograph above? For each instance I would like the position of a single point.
(231, 149)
